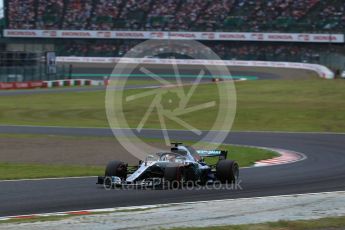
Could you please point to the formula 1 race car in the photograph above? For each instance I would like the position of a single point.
(181, 165)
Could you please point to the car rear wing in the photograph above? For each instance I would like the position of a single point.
(222, 154)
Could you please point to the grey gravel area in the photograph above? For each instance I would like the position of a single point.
(208, 213)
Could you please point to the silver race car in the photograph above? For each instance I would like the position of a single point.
(183, 164)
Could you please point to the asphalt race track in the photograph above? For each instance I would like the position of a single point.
(323, 170)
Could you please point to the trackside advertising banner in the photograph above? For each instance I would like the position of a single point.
(21, 85)
(212, 36)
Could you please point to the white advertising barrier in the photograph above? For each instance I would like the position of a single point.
(321, 70)
(211, 36)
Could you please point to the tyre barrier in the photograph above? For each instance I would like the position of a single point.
(49, 84)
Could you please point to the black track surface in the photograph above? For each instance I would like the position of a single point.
(323, 170)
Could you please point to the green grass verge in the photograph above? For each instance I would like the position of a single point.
(333, 223)
(284, 105)
(11, 171)
(291, 105)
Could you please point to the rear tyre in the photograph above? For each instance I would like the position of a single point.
(227, 171)
(116, 168)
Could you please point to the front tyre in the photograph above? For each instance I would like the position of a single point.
(116, 168)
